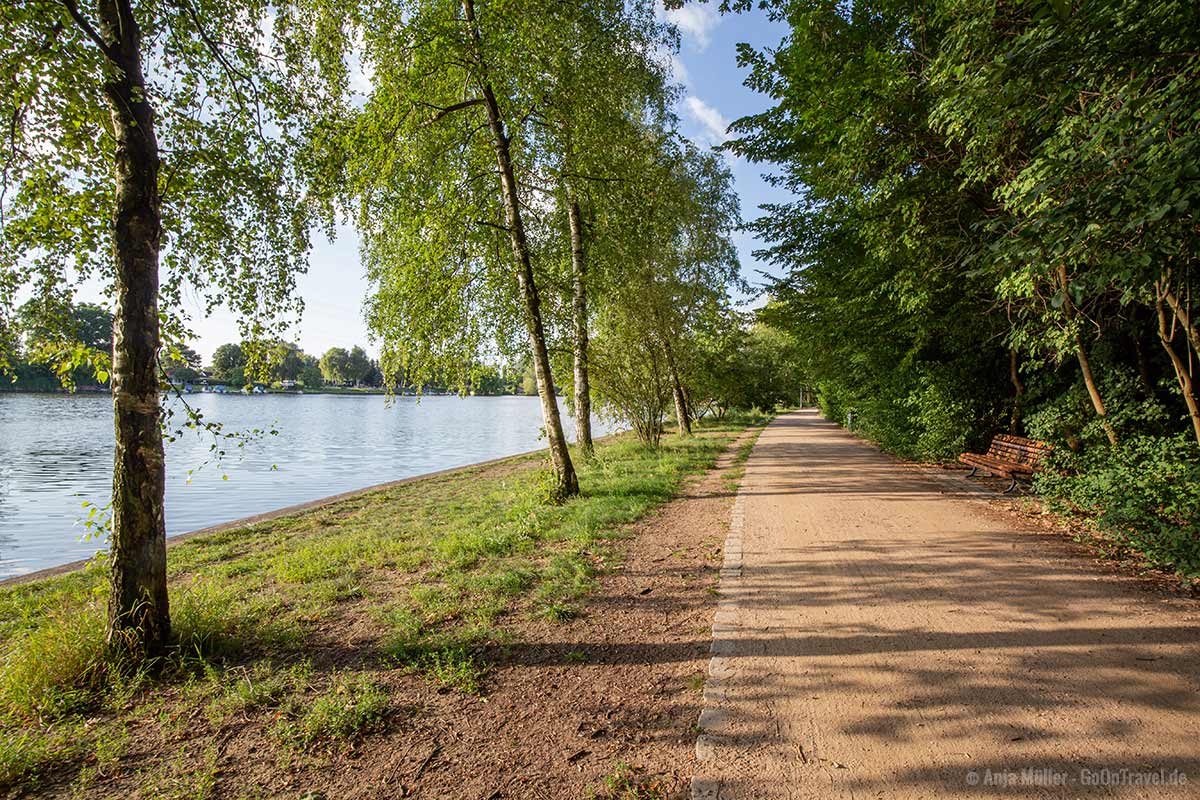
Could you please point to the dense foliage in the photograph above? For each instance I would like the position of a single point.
(995, 229)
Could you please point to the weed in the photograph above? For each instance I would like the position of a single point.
(628, 783)
(349, 709)
(183, 778)
(264, 685)
(446, 657)
(455, 668)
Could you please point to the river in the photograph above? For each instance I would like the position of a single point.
(56, 452)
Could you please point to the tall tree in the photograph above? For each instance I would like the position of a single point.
(673, 264)
(600, 95)
(442, 162)
(335, 365)
(131, 126)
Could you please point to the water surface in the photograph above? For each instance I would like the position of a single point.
(56, 452)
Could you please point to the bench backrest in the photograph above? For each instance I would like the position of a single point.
(1018, 449)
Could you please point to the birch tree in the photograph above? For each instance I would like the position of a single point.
(442, 167)
(146, 152)
(602, 92)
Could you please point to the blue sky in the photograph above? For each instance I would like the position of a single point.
(706, 67)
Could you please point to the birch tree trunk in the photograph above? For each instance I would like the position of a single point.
(1089, 380)
(681, 406)
(583, 396)
(567, 482)
(138, 613)
(1085, 364)
(1182, 313)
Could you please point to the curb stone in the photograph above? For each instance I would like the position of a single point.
(713, 717)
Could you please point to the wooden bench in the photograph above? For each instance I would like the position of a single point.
(1009, 456)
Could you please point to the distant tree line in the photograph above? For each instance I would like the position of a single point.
(69, 346)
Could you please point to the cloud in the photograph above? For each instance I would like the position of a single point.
(695, 22)
(713, 122)
(678, 70)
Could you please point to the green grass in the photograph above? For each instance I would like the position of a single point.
(350, 708)
(435, 567)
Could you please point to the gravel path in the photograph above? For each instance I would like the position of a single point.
(885, 635)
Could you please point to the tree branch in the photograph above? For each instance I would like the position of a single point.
(82, 22)
(445, 112)
(235, 75)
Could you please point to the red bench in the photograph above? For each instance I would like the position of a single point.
(1008, 456)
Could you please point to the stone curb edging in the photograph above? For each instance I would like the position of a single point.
(720, 664)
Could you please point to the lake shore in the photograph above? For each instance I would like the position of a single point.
(270, 452)
(401, 626)
(286, 511)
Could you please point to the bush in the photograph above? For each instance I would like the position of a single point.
(1143, 494)
(929, 413)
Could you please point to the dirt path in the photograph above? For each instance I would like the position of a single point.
(885, 636)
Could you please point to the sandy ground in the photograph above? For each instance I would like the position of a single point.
(888, 636)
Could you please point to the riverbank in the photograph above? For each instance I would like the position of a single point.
(402, 638)
(57, 453)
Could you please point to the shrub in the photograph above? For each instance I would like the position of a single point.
(1143, 494)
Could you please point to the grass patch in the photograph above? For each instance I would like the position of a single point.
(351, 708)
(435, 567)
(26, 755)
(454, 668)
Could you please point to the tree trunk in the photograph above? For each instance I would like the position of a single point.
(583, 396)
(1093, 391)
(1181, 371)
(567, 482)
(681, 408)
(138, 613)
(1018, 391)
(1085, 364)
(1182, 313)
